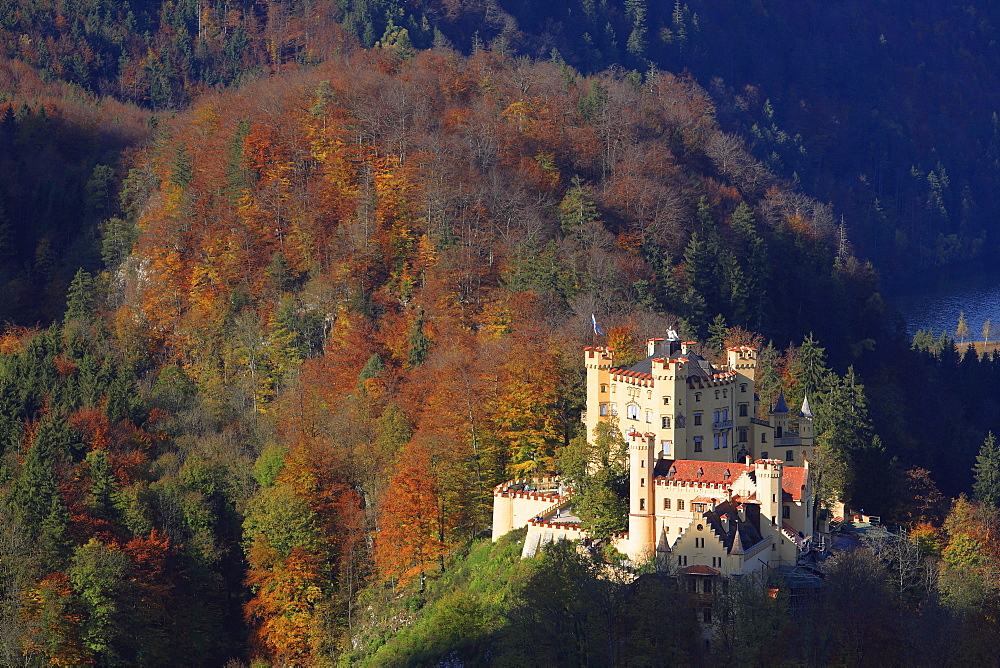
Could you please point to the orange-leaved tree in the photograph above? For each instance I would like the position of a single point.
(411, 535)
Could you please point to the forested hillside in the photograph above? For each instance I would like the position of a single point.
(289, 287)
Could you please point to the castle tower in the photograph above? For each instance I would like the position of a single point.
(806, 423)
(503, 513)
(779, 417)
(641, 511)
(768, 474)
(598, 360)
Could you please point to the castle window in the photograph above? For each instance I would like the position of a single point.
(613, 386)
(604, 409)
(716, 416)
(664, 422)
(666, 506)
(642, 463)
(706, 583)
(777, 431)
(763, 455)
(717, 441)
(680, 504)
(742, 431)
(649, 417)
(697, 396)
(665, 448)
(697, 443)
(763, 437)
(786, 512)
(642, 482)
(604, 387)
(725, 414)
(727, 475)
(697, 419)
(789, 455)
(632, 412)
(699, 508)
(725, 393)
(743, 387)
(743, 410)
(680, 420)
(642, 504)
(725, 439)
(666, 401)
(614, 409)
(649, 394)
(716, 394)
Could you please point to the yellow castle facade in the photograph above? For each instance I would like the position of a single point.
(695, 409)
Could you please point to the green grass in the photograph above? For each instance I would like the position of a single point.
(457, 616)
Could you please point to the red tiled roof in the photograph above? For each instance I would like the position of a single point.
(713, 472)
(698, 569)
(793, 478)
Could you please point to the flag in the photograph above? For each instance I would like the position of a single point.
(597, 330)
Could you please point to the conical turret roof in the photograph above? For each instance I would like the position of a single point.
(806, 410)
(781, 406)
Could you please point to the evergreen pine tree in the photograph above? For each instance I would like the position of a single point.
(54, 541)
(80, 297)
(717, 334)
(34, 489)
(810, 366)
(419, 343)
(373, 368)
(987, 472)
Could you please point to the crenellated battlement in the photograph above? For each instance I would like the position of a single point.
(691, 484)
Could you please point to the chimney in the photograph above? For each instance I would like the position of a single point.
(654, 347)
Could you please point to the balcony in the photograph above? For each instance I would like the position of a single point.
(722, 424)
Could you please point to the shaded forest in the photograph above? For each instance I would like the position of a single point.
(289, 288)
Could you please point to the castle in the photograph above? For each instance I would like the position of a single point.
(706, 497)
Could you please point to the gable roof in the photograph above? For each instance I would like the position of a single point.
(741, 535)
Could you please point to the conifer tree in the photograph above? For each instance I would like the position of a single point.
(717, 334)
(419, 343)
(80, 297)
(54, 540)
(810, 368)
(987, 472)
(373, 368)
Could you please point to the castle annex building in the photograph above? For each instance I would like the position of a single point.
(713, 489)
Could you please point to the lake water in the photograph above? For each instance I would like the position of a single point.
(937, 306)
